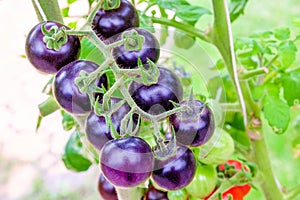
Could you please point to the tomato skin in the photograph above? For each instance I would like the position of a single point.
(48, 60)
(129, 59)
(154, 194)
(126, 162)
(238, 191)
(108, 23)
(155, 98)
(218, 149)
(175, 172)
(96, 129)
(66, 91)
(166, 78)
(236, 164)
(106, 190)
(193, 129)
(236, 194)
(204, 181)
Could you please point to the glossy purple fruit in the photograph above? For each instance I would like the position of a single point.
(108, 23)
(49, 60)
(126, 162)
(96, 130)
(166, 78)
(155, 194)
(106, 190)
(177, 171)
(129, 59)
(193, 128)
(66, 91)
(154, 99)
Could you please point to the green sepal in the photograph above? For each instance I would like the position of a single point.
(150, 75)
(111, 4)
(54, 38)
(133, 41)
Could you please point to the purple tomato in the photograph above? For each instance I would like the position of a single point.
(66, 91)
(49, 60)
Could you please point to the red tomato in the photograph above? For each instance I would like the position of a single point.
(236, 164)
(237, 192)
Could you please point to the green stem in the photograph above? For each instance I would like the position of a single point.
(293, 193)
(191, 30)
(268, 181)
(108, 94)
(253, 73)
(48, 106)
(47, 10)
(93, 13)
(222, 38)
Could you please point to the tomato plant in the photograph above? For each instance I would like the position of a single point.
(150, 114)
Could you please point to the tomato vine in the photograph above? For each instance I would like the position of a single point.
(256, 70)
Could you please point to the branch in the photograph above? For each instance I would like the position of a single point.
(47, 10)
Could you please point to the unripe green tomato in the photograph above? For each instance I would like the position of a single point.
(183, 41)
(177, 195)
(218, 149)
(204, 181)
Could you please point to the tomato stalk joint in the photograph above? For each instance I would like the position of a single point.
(55, 37)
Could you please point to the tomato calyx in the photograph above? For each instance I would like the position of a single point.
(133, 40)
(164, 150)
(110, 4)
(149, 74)
(55, 37)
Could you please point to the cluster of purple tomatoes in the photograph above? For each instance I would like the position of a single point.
(127, 161)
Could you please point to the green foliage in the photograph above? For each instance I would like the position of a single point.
(277, 113)
(236, 8)
(90, 52)
(291, 87)
(184, 10)
(68, 121)
(71, 1)
(74, 156)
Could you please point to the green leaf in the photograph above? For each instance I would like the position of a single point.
(68, 121)
(145, 22)
(184, 10)
(226, 86)
(291, 88)
(65, 11)
(91, 2)
(287, 52)
(273, 89)
(72, 25)
(282, 33)
(71, 1)
(258, 92)
(243, 43)
(73, 156)
(90, 52)
(239, 136)
(236, 8)
(277, 113)
(191, 14)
